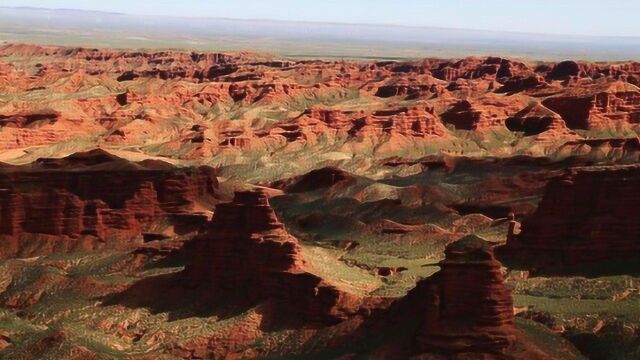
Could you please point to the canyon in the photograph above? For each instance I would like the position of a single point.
(212, 108)
(183, 204)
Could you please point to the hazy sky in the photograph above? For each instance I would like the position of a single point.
(585, 17)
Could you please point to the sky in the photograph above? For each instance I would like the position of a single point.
(574, 17)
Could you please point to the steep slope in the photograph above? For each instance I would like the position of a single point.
(95, 200)
(247, 251)
(586, 223)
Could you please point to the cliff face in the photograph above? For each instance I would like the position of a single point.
(467, 307)
(95, 200)
(247, 251)
(246, 228)
(598, 106)
(586, 217)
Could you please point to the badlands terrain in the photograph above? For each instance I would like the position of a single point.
(188, 205)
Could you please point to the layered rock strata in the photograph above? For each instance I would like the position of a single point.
(467, 306)
(598, 106)
(394, 108)
(587, 217)
(95, 200)
(246, 251)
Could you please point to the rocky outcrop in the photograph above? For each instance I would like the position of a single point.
(30, 128)
(410, 87)
(537, 120)
(468, 308)
(520, 83)
(334, 119)
(474, 68)
(415, 122)
(586, 223)
(315, 180)
(95, 200)
(598, 106)
(463, 311)
(246, 251)
(604, 150)
(564, 69)
(482, 114)
(418, 124)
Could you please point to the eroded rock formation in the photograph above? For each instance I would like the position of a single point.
(586, 223)
(468, 308)
(159, 98)
(538, 120)
(94, 200)
(603, 105)
(248, 252)
(314, 180)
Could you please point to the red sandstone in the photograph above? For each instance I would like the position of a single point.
(95, 200)
(587, 218)
(246, 250)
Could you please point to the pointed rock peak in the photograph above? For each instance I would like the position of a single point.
(318, 179)
(536, 110)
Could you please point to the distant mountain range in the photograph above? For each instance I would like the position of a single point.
(299, 39)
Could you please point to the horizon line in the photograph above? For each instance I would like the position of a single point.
(324, 23)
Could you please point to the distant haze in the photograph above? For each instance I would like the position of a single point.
(310, 39)
(575, 17)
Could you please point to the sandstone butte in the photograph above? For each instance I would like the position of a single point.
(185, 105)
(464, 311)
(247, 251)
(468, 307)
(586, 223)
(96, 200)
(465, 308)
